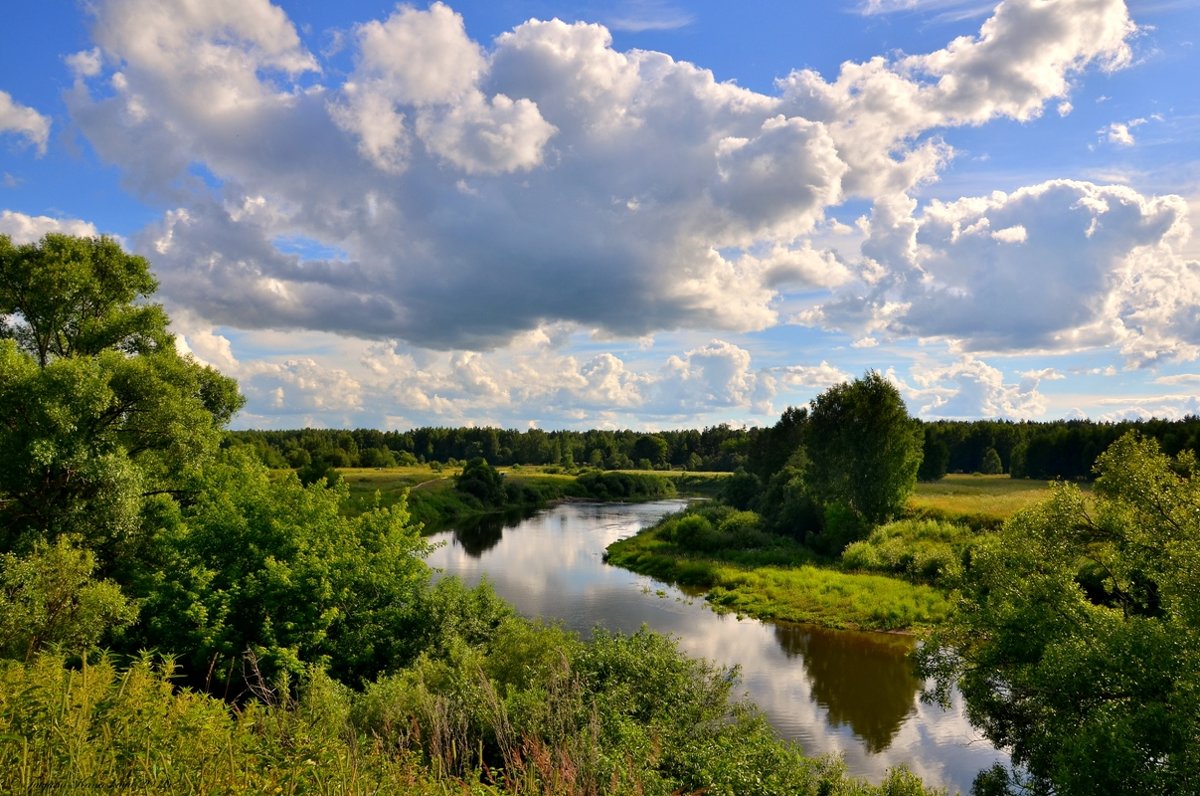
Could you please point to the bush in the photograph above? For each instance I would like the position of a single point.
(926, 551)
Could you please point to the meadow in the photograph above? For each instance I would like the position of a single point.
(898, 578)
(977, 500)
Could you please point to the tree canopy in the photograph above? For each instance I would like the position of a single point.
(97, 408)
(863, 449)
(1078, 639)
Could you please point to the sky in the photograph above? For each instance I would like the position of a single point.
(636, 214)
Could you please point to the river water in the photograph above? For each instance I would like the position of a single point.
(831, 691)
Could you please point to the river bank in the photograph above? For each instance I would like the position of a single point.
(831, 691)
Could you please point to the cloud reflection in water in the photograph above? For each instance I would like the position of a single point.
(831, 691)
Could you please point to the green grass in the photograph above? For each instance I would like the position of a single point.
(981, 501)
(828, 597)
(772, 577)
(434, 502)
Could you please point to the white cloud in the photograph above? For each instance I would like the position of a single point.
(483, 197)
(816, 377)
(1058, 266)
(1163, 407)
(971, 388)
(85, 63)
(24, 121)
(22, 228)
(1119, 134)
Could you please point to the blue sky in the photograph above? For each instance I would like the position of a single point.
(643, 214)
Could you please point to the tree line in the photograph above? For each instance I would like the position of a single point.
(717, 448)
(1060, 449)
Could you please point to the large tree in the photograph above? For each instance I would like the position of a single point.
(863, 448)
(1077, 642)
(97, 408)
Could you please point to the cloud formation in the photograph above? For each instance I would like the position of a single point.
(477, 191)
(22, 228)
(1063, 265)
(24, 121)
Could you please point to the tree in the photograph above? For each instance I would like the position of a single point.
(267, 565)
(652, 448)
(50, 598)
(97, 409)
(935, 456)
(1078, 639)
(863, 449)
(482, 481)
(67, 297)
(991, 464)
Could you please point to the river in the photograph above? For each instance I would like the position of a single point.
(831, 691)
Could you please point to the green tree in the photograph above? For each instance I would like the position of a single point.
(1078, 639)
(991, 464)
(97, 409)
(67, 297)
(482, 481)
(270, 566)
(863, 449)
(935, 457)
(652, 448)
(50, 597)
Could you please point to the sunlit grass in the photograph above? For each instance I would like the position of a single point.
(979, 500)
(766, 587)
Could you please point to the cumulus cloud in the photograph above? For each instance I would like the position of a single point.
(1119, 134)
(971, 388)
(1062, 265)
(1163, 407)
(24, 121)
(532, 380)
(481, 190)
(22, 228)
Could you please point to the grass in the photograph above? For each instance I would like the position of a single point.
(828, 597)
(772, 577)
(781, 579)
(981, 501)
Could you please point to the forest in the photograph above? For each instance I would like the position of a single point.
(1047, 450)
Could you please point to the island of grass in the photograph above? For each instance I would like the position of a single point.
(899, 578)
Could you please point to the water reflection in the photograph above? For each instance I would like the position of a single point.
(862, 680)
(833, 692)
(479, 534)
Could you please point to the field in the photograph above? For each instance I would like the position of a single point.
(983, 501)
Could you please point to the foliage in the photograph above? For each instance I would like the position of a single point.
(1078, 638)
(99, 411)
(751, 571)
(787, 505)
(863, 448)
(935, 456)
(741, 490)
(101, 729)
(50, 598)
(771, 448)
(66, 297)
(716, 449)
(925, 551)
(991, 464)
(622, 486)
(482, 481)
(535, 712)
(267, 565)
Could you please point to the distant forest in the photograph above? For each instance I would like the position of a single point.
(1064, 449)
